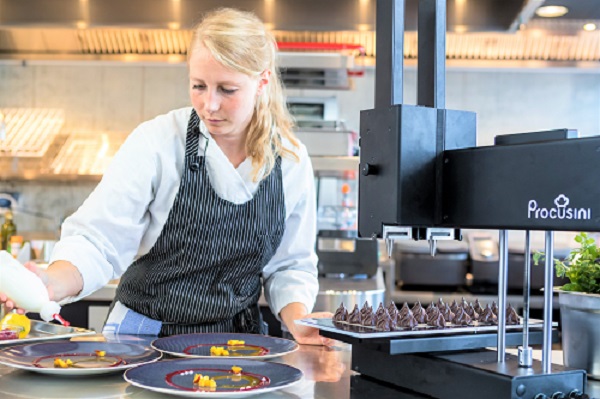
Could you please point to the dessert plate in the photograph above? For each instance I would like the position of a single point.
(40, 358)
(176, 377)
(199, 345)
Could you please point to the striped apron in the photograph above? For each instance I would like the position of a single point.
(203, 274)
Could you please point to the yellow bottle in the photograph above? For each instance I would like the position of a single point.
(15, 245)
(19, 320)
(8, 230)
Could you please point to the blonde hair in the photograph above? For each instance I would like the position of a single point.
(240, 41)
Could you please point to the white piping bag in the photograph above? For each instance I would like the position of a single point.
(26, 289)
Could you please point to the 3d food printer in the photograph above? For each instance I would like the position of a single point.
(423, 178)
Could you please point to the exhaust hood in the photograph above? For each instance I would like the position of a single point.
(294, 15)
(70, 28)
(159, 31)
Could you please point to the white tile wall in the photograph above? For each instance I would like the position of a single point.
(16, 86)
(165, 88)
(117, 97)
(51, 202)
(76, 89)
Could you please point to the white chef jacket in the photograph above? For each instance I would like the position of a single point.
(122, 218)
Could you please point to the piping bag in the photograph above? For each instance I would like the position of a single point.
(26, 289)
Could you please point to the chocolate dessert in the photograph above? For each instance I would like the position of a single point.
(512, 318)
(477, 306)
(471, 312)
(369, 319)
(392, 310)
(416, 307)
(403, 310)
(381, 310)
(454, 306)
(366, 312)
(431, 308)
(436, 320)
(440, 303)
(355, 316)
(341, 314)
(461, 318)
(433, 314)
(420, 315)
(495, 308)
(366, 309)
(463, 303)
(487, 316)
(408, 321)
(448, 314)
(383, 322)
(393, 322)
(443, 306)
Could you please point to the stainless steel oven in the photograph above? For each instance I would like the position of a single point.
(319, 127)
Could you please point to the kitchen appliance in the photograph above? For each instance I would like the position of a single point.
(417, 269)
(422, 177)
(349, 270)
(326, 138)
(484, 256)
(341, 252)
(318, 126)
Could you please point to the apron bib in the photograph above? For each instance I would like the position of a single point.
(203, 274)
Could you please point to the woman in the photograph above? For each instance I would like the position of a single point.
(202, 203)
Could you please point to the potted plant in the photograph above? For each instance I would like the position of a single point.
(579, 302)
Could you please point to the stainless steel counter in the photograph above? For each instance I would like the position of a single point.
(327, 375)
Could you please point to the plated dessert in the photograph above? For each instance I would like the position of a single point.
(215, 377)
(68, 358)
(228, 345)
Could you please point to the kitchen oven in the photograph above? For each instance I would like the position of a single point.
(319, 128)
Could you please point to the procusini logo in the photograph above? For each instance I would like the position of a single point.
(561, 211)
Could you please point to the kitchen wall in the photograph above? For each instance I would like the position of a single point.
(505, 100)
(115, 97)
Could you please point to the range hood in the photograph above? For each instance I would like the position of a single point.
(159, 31)
(293, 15)
(162, 27)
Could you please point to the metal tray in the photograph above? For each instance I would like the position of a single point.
(42, 331)
(361, 332)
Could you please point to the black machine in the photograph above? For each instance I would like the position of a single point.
(422, 177)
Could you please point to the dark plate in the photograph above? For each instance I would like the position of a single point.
(175, 377)
(40, 357)
(198, 345)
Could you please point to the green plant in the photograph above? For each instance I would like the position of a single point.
(581, 266)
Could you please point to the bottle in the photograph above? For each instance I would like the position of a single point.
(26, 289)
(8, 230)
(15, 245)
(348, 217)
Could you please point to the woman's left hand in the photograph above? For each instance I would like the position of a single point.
(303, 334)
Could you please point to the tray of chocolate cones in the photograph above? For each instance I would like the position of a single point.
(436, 318)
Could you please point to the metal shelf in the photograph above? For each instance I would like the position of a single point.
(334, 164)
